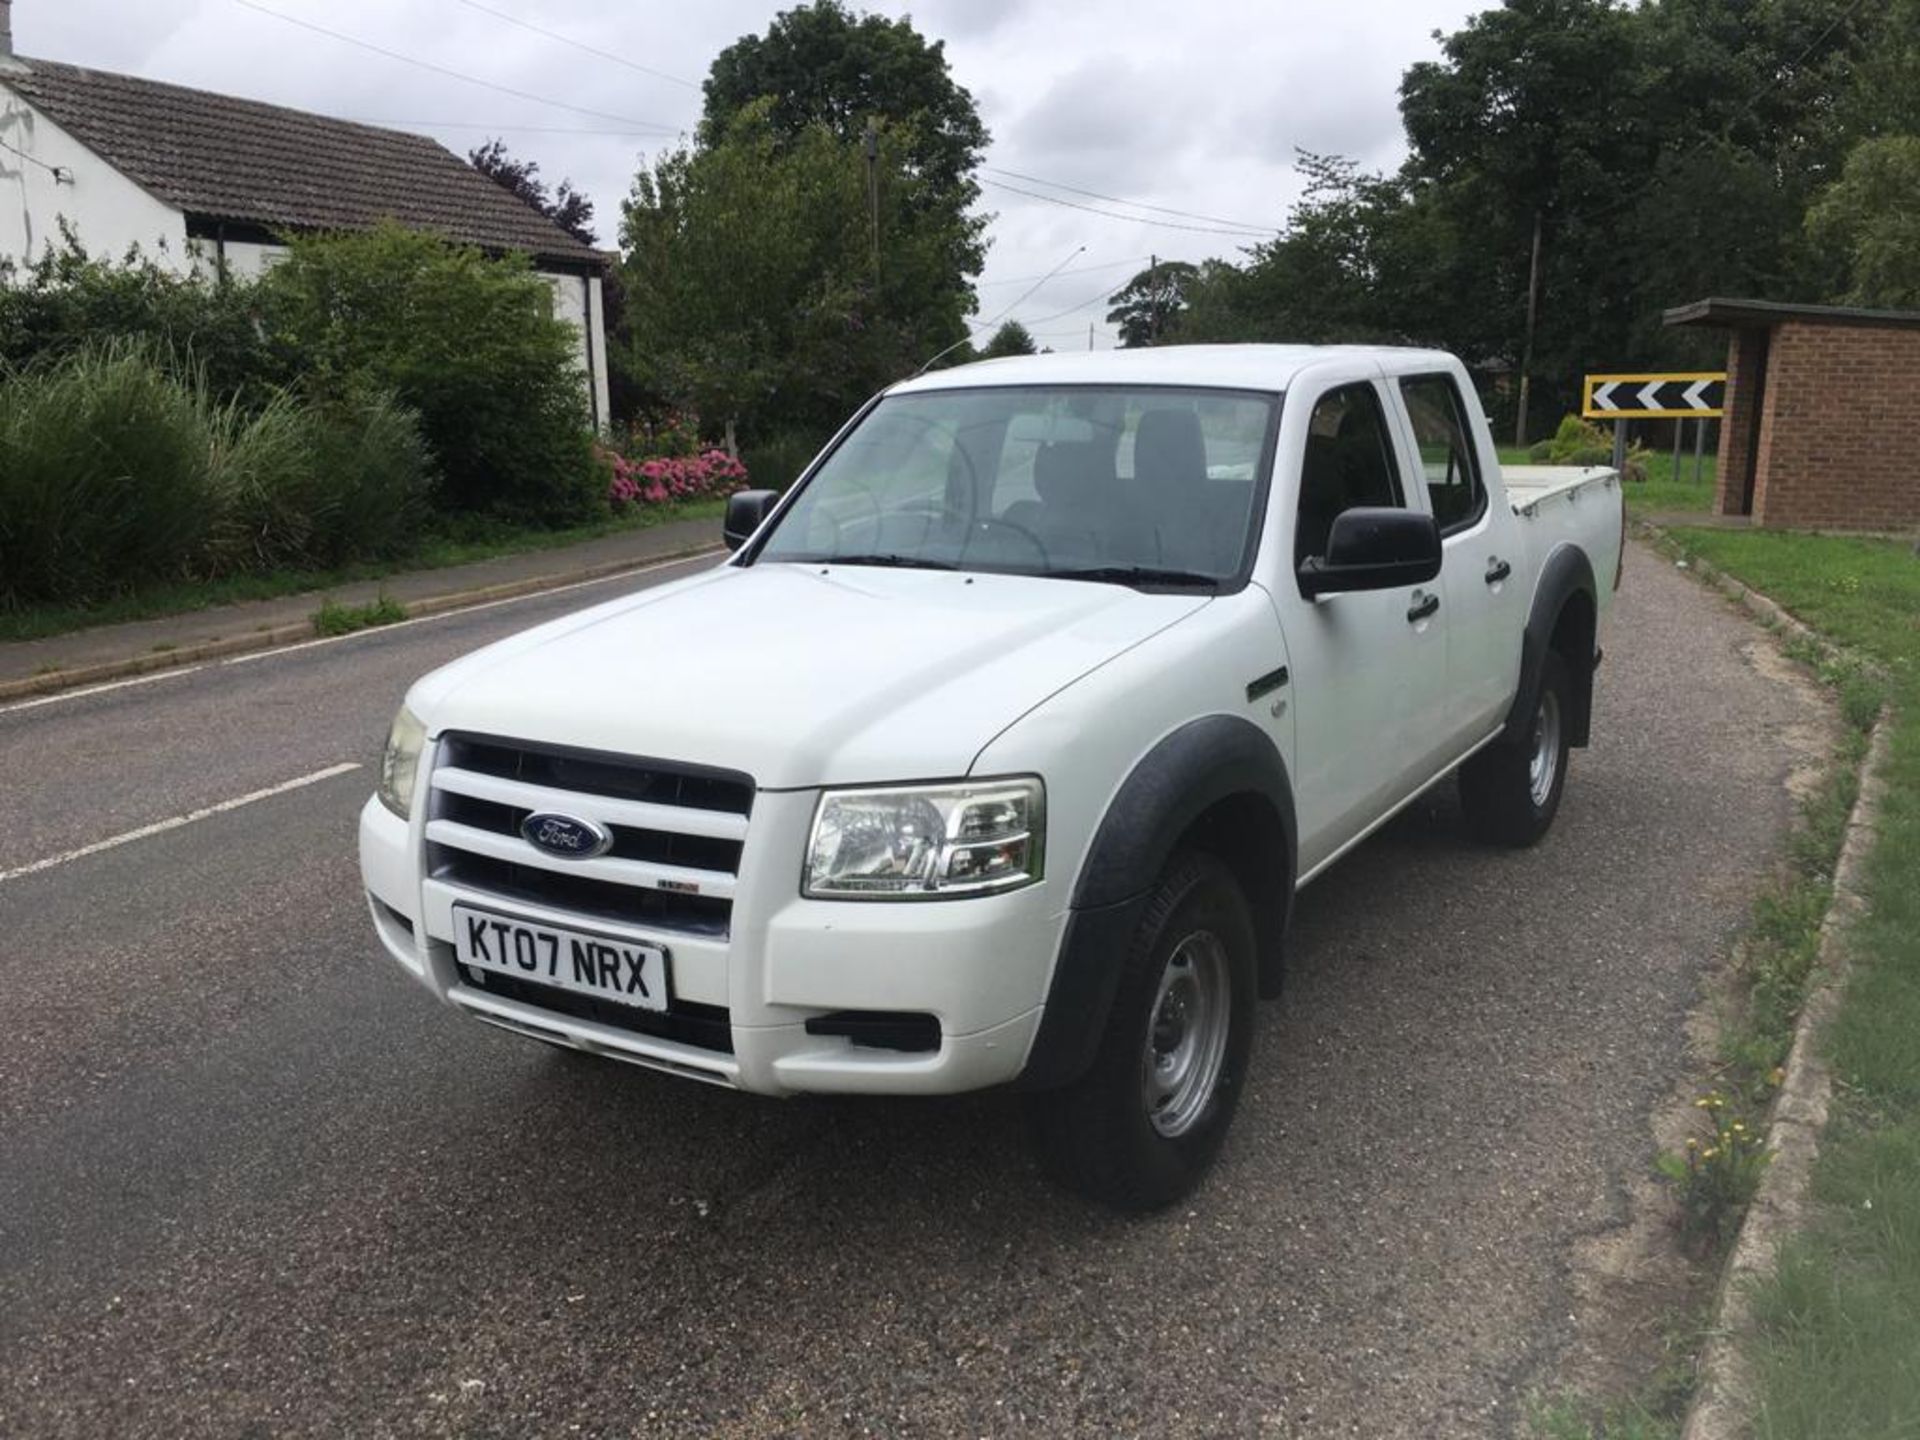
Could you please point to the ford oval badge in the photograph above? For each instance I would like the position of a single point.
(567, 836)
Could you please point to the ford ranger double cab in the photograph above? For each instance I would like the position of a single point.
(995, 752)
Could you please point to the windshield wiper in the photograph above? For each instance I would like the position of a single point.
(896, 562)
(1139, 575)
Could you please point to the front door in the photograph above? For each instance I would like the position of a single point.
(1369, 667)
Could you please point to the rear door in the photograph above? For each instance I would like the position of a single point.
(1482, 578)
(1369, 667)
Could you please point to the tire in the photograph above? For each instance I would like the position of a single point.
(1135, 1132)
(1511, 790)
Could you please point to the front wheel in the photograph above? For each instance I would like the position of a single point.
(1511, 790)
(1141, 1127)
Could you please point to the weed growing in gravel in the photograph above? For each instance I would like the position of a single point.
(1717, 1175)
(333, 619)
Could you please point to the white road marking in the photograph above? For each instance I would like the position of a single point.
(463, 610)
(161, 827)
(100, 689)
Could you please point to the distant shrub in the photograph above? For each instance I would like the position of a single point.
(469, 342)
(1540, 452)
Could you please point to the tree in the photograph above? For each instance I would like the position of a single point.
(819, 64)
(1148, 308)
(566, 207)
(467, 340)
(750, 289)
(1870, 219)
(1011, 338)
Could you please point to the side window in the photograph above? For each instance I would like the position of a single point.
(1446, 450)
(1348, 463)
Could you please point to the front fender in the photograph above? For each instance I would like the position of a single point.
(1187, 776)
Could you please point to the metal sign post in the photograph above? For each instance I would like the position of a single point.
(1684, 395)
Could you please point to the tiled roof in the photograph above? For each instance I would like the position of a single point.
(221, 158)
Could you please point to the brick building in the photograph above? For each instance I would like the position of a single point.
(1818, 430)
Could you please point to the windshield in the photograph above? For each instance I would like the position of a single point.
(1130, 484)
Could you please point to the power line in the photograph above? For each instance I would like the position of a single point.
(499, 126)
(989, 324)
(578, 44)
(415, 61)
(1077, 270)
(1134, 204)
(1116, 215)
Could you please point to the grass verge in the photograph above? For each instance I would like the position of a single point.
(334, 619)
(1836, 1348)
(436, 552)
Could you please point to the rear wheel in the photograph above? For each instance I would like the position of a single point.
(1141, 1127)
(1511, 790)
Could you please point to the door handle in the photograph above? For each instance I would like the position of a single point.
(1421, 609)
(1497, 570)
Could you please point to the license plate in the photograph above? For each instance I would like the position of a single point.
(598, 965)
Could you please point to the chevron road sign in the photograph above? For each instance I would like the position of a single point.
(1688, 395)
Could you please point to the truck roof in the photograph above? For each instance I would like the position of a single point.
(1235, 367)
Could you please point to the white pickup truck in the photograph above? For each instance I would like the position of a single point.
(997, 750)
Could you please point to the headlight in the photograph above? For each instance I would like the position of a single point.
(400, 761)
(927, 842)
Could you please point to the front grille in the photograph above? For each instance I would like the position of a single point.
(678, 831)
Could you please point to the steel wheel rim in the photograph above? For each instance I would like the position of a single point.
(1543, 765)
(1186, 1047)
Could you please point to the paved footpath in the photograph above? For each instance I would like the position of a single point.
(254, 1183)
(147, 639)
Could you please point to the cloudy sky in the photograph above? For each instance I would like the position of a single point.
(1194, 107)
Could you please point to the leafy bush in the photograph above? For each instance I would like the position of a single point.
(104, 477)
(1579, 442)
(67, 302)
(470, 343)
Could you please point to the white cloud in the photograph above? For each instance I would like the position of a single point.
(1196, 106)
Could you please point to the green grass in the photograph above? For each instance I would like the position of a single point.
(1837, 1348)
(335, 619)
(1663, 491)
(437, 552)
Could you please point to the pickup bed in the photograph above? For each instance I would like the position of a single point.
(996, 751)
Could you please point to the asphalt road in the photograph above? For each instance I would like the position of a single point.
(253, 1182)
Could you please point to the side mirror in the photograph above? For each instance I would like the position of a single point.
(745, 510)
(1374, 549)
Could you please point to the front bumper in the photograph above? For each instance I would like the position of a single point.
(979, 965)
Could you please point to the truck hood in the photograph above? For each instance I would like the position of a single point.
(800, 675)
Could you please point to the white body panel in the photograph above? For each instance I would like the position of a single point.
(804, 676)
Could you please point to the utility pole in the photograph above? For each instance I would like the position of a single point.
(1153, 299)
(1526, 351)
(873, 194)
(1089, 335)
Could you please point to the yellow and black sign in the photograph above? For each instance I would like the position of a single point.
(1682, 395)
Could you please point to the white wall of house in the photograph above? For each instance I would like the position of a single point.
(47, 176)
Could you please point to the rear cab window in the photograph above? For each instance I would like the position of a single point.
(1448, 460)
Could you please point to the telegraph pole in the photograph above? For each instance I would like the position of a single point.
(872, 140)
(1526, 352)
(1153, 299)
